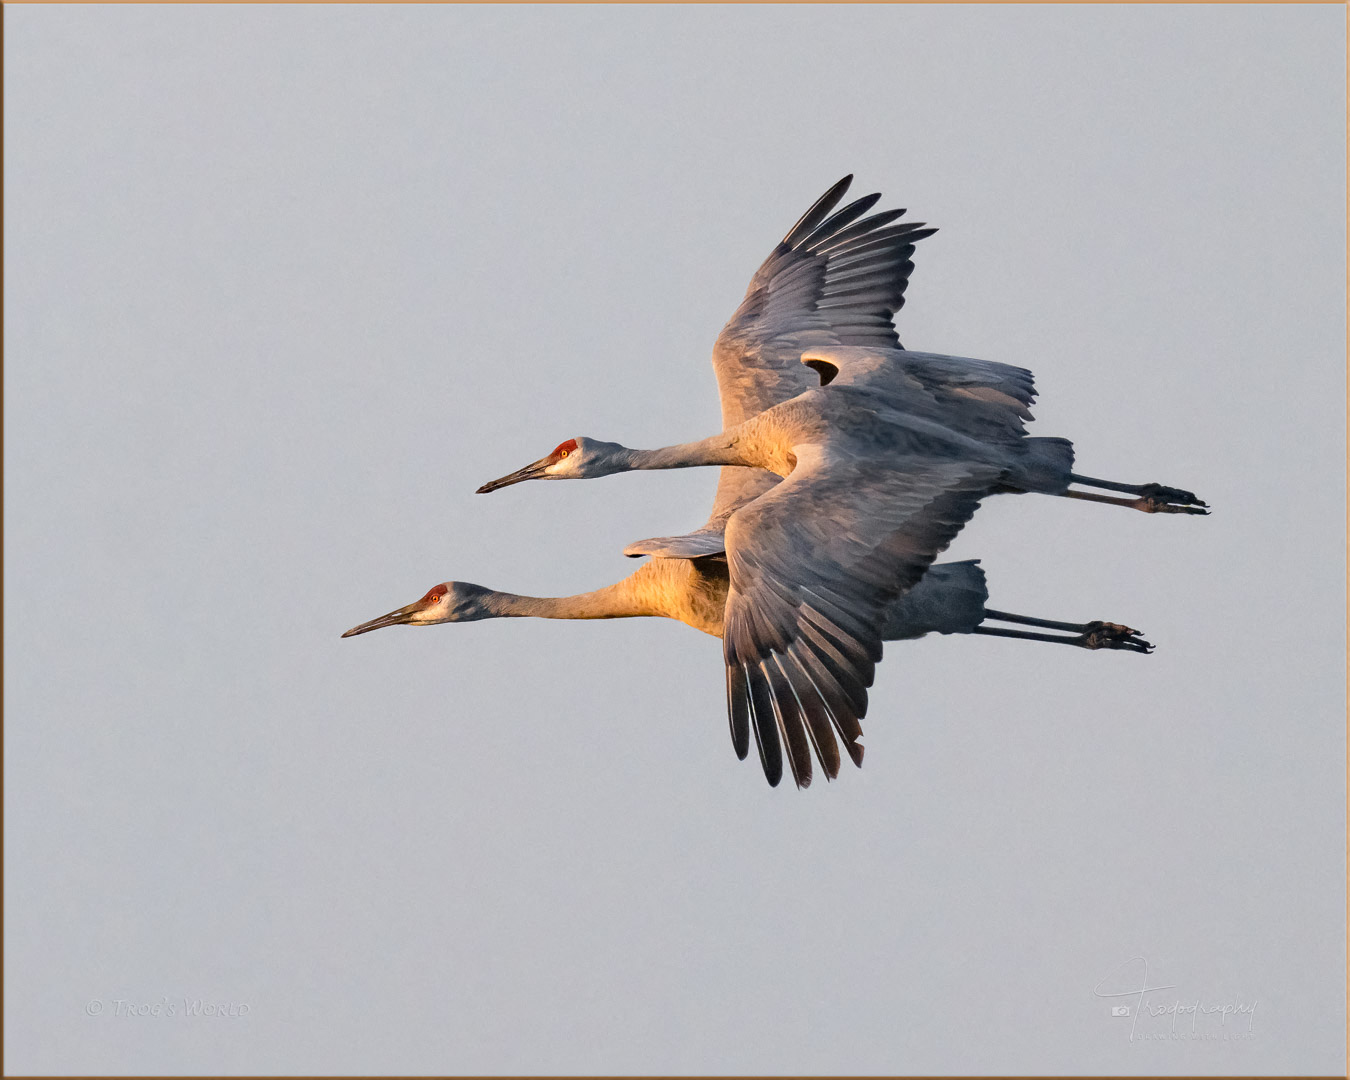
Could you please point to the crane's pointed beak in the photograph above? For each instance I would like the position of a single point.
(531, 472)
(394, 618)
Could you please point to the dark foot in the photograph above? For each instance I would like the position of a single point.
(1106, 635)
(1157, 499)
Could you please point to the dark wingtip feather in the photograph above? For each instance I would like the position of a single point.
(765, 726)
(737, 712)
(818, 212)
(815, 712)
(865, 227)
(841, 219)
(855, 751)
(791, 724)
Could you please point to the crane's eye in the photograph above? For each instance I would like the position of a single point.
(565, 453)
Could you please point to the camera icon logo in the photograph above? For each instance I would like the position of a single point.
(1120, 1010)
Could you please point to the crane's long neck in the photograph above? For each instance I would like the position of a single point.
(618, 601)
(728, 448)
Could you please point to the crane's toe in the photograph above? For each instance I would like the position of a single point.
(1150, 505)
(1160, 499)
(1105, 635)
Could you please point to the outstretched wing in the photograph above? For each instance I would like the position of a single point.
(835, 279)
(814, 564)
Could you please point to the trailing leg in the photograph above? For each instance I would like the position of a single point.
(1152, 498)
(1092, 635)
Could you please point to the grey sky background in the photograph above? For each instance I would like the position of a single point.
(284, 285)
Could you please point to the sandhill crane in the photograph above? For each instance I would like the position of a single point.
(833, 280)
(949, 599)
(973, 406)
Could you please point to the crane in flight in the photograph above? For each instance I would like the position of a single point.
(835, 280)
(949, 599)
